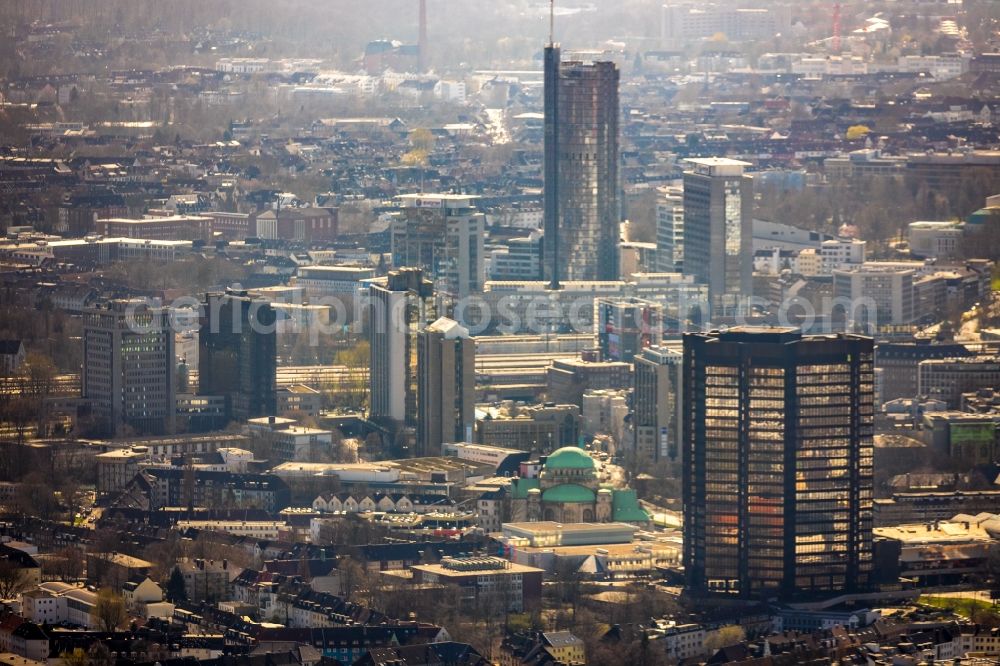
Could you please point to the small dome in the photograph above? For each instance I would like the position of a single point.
(569, 457)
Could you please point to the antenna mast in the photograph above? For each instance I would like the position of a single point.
(552, 21)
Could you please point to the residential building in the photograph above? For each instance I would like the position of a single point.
(778, 432)
(446, 373)
(128, 366)
(208, 580)
(237, 353)
(582, 211)
(117, 468)
(12, 356)
(115, 569)
(718, 233)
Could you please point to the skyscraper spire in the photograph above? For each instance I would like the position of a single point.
(552, 22)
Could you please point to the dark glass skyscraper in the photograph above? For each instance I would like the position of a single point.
(777, 463)
(237, 353)
(581, 170)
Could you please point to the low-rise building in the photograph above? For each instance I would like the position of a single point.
(487, 584)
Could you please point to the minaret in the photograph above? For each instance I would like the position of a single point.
(550, 257)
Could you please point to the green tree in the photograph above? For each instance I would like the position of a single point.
(176, 590)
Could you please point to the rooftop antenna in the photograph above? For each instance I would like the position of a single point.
(552, 21)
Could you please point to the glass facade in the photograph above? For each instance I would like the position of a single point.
(581, 170)
(778, 463)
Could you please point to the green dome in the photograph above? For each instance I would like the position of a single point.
(569, 457)
(567, 493)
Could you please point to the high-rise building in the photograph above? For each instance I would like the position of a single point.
(718, 235)
(128, 366)
(626, 326)
(778, 431)
(670, 229)
(581, 170)
(237, 353)
(443, 235)
(446, 358)
(399, 307)
(657, 407)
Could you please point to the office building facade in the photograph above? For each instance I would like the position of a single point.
(718, 233)
(398, 309)
(669, 229)
(581, 170)
(626, 326)
(443, 235)
(446, 358)
(778, 431)
(657, 407)
(237, 353)
(128, 367)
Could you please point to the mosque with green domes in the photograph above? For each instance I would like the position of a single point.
(567, 490)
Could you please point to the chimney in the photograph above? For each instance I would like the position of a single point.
(422, 38)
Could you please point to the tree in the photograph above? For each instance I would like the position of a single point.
(109, 610)
(724, 636)
(855, 132)
(13, 579)
(75, 658)
(176, 589)
(351, 574)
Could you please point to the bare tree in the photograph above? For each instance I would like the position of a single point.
(109, 610)
(13, 579)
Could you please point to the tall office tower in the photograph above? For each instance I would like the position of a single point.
(777, 463)
(446, 360)
(443, 235)
(237, 353)
(657, 406)
(718, 242)
(128, 366)
(670, 229)
(398, 309)
(626, 326)
(581, 170)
